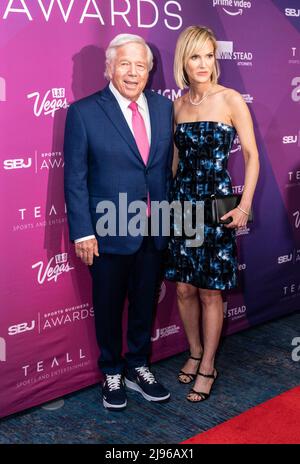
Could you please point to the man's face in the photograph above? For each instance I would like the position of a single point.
(129, 70)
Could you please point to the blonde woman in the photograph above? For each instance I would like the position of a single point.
(207, 118)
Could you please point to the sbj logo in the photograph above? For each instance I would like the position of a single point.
(2, 349)
(285, 258)
(52, 273)
(2, 89)
(292, 12)
(47, 105)
(18, 163)
(290, 139)
(19, 328)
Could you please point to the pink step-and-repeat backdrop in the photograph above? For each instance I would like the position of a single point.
(52, 53)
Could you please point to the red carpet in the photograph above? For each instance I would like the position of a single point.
(276, 421)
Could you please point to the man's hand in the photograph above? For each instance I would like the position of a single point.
(86, 250)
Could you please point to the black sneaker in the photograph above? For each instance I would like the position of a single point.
(113, 392)
(142, 380)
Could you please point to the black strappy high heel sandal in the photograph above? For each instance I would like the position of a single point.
(203, 395)
(190, 376)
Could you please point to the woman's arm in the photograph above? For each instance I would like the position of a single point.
(242, 121)
(175, 157)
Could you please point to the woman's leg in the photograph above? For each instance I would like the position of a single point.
(212, 320)
(189, 309)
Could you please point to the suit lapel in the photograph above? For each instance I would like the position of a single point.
(113, 111)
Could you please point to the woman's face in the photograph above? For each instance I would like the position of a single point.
(200, 65)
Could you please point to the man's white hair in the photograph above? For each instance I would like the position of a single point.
(123, 39)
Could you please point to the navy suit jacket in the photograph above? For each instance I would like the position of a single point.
(102, 160)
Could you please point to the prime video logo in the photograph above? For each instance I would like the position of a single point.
(187, 217)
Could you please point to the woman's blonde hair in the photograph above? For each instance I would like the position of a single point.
(190, 40)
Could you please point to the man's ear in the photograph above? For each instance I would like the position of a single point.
(110, 69)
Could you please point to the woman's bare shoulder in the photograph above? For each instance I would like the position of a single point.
(231, 95)
(179, 105)
(180, 101)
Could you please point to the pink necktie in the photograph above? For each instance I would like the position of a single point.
(141, 138)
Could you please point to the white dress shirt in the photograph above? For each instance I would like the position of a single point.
(127, 113)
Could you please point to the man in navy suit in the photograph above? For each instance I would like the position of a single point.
(119, 140)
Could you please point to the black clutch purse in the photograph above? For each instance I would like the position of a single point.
(217, 206)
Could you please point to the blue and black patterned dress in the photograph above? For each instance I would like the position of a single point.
(204, 148)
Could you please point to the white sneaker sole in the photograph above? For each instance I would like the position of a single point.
(114, 406)
(135, 387)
